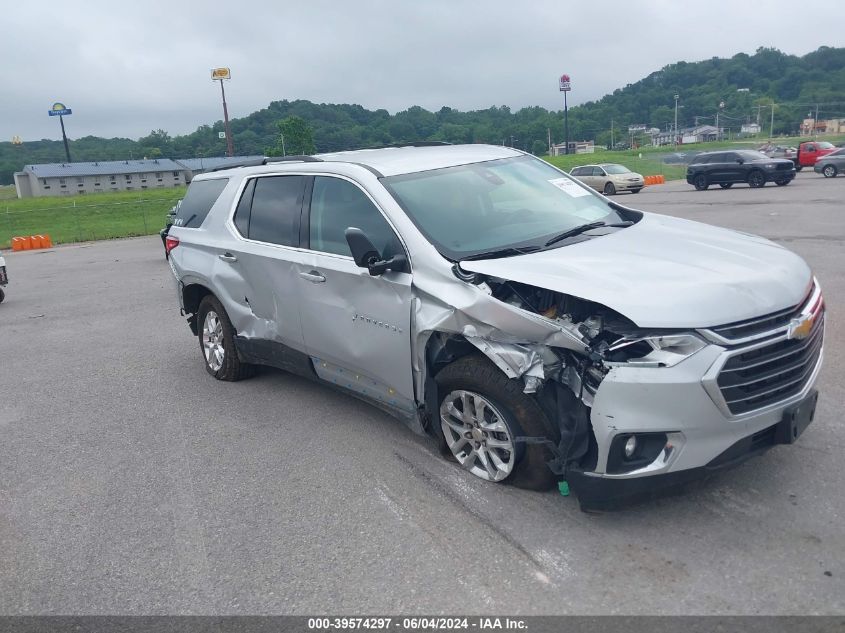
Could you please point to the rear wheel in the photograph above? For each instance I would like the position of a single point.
(609, 189)
(481, 413)
(2, 295)
(700, 182)
(217, 342)
(726, 185)
(756, 179)
(829, 171)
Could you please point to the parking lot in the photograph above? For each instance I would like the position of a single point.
(132, 482)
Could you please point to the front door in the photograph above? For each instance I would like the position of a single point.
(356, 326)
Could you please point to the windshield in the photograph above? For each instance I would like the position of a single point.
(509, 203)
(616, 169)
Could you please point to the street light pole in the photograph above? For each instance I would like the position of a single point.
(675, 136)
(565, 86)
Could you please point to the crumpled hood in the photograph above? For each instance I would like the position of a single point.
(665, 272)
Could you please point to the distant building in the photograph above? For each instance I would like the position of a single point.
(64, 179)
(68, 179)
(696, 134)
(811, 127)
(575, 147)
(750, 128)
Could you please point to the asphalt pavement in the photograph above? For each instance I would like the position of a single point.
(131, 482)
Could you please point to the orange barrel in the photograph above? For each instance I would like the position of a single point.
(35, 241)
(46, 242)
(26, 243)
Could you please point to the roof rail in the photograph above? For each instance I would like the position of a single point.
(291, 159)
(416, 144)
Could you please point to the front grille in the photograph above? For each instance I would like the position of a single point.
(771, 373)
(784, 166)
(3, 278)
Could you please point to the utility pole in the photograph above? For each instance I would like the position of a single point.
(549, 131)
(612, 144)
(772, 124)
(815, 121)
(565, 86)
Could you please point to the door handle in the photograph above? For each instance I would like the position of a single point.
(228, 257)
(314, 277)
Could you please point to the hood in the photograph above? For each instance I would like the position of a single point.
(666, 272)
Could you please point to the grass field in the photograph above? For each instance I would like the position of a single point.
(90, 217)
(646, 166)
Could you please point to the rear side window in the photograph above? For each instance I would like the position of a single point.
(242, 212)
(276, 207)
(201, 196)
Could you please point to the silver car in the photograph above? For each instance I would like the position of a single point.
(832, 164)
(609, 178)
(538, 333)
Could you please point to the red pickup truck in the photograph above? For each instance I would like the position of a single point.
(810, 151)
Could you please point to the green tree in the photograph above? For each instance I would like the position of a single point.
(295, 137)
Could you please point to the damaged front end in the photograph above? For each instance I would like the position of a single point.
(562, 350)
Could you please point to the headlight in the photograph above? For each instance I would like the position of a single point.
(659, 350)
(770, 165)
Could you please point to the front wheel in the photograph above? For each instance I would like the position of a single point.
(782, 182)
(829, 171)
(798, 167)
(217, 342)
(726, 185)
(609, 189)
(700, 182)
(2, 295)
(481, 413)
(756, 179)
(635, 190)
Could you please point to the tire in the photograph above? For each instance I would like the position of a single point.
(506, 408)
(756, 179)
(726, 185)
(782, 182)
(2, 295)
(829, 171)
(609, 189)
(217, 342)
(798, 167)
(635, 190)
(700, 182)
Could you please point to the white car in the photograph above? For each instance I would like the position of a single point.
(536, 331)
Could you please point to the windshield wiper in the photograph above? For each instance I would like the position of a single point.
(583, 228)
(501, 252)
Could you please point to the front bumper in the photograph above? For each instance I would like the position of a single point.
(683, 402)
(629, 185)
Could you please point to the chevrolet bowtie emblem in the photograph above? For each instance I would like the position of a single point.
(800, 327)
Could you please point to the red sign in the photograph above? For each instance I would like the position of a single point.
(565, 85)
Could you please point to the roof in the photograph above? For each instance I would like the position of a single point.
(214, 162)
(61, 170)
(392, 161)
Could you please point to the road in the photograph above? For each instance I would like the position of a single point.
(133, 483)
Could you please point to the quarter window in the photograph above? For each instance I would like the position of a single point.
(337, 205)
(276, 207)
(201, 196)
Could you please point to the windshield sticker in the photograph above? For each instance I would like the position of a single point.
(570, 187)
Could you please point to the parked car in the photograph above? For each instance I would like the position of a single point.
(809, 152)
(728, 168)
(4, 278)
(609, 178)
(168, 222)
(536, 331)
(831, 164)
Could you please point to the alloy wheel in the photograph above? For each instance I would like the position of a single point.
(212, 341)
(477, 435)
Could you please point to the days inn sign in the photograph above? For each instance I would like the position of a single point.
(59, 109)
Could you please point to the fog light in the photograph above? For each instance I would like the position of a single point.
(630, 446)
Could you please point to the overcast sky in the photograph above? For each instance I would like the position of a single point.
(128, 68)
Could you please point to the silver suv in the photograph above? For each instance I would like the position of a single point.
(537, 331)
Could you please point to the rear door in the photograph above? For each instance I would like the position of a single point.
(356, 326)
(266, 253)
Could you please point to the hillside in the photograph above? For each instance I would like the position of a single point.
(796, 84)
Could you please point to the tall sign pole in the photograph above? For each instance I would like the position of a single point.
(675, 136)
(219, 74)
(565, 86)
(60, 111)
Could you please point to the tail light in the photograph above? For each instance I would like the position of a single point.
(170, 243)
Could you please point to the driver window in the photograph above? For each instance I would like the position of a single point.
(337, 205)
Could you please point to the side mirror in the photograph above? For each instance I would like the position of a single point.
(366, 255)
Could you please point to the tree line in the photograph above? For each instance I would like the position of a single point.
(741, 89)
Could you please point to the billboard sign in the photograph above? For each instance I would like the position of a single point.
(220, 73)
(59, 109)
(565, 84)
